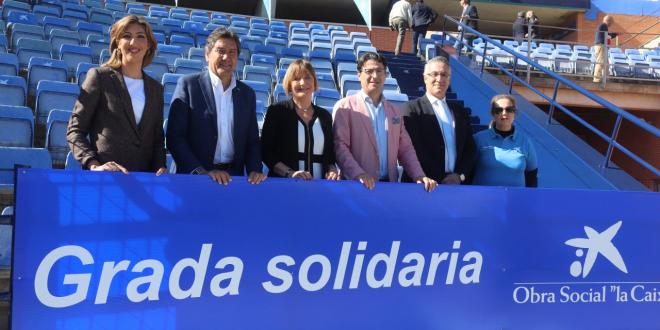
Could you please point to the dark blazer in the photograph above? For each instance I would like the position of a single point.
(279, 136)
(423, 15)
(426, 135)
(519, 28)
(192, 127)
(103, 128)
(473, 16)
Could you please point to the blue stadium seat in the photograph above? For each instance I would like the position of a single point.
(40, 68)
(11, 156)
(364, 49)
(42, 11)
(73, 54)
(56, 143)
(261, 89)
(241, 31)
(264, 60)
(349, 82)
(51, 23)
(395, 97)
(326, 81)
(294, 25)
(320, 54)
(101, 16)
(292, 53)
(169, 82)
(74, 16)
(193, 26)
(280, 75)
(170, 53)
(97, 44)
(250, 42)
(346, 69)
(279, 94)
(265, 50)
(219, 16)
(167, 99)
(258, 33)
(81, 71)
(16, 17)
(326, 98)
(301, 45)
(105, 56)
(257, 73)
(71, 164)
(185, 42)
(342, 49)
(158, 12)
(91, 4)
(562, 63)
(4, 45)
(201, 37)
(322, 66)
(16, 126)
(134, 5)
(391, 84)
(344, 58)
(8, 64)
(186, 66)
(221, 21)
(20, 31)
(137, 11)
(13, 90)
(284, 62)
(240, 24)
(115, 6)
(279, 34)
(276, 43)
(197, 54)
(200, 19)
(157, 68)
(84, 29)
(54, 95)
(17, 6)
(180, 16)
(59, 37)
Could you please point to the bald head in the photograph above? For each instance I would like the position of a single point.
(608, 20)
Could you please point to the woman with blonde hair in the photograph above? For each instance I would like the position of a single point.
(506, 155)
(296, 138)
(117, 121)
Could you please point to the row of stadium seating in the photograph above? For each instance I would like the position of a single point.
(577, 59)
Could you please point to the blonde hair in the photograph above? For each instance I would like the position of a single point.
(298, 69)
(116, 33)
(493, 104)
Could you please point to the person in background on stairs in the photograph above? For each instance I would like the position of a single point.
(519, 27)
(532, 21)
(506, 155)
(600, 49)
(422, 17)
(400, 20)
(469, 17)
(440, 133)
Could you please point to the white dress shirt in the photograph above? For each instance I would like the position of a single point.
(224, 148)
(136, 91)
(401, 9)
(448, 126)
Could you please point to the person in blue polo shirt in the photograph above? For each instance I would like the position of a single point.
(506, 156)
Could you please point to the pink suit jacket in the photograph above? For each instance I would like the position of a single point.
(355, 141)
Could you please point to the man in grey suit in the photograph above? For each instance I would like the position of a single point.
(212, 126)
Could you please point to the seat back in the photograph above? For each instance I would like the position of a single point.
(16, 126)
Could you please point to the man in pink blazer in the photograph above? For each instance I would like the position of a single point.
(366, 126)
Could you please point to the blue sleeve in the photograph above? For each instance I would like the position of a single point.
(530, 155)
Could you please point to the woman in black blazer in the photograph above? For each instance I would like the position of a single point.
(117, 121)
(296, 138)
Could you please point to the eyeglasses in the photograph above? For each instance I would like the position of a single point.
(435, 75)
(223, 51)
(498, 110)
(371, 72)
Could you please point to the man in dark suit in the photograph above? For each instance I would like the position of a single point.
(422, 16)
(441, 135)
(212, 126)
(469, 17)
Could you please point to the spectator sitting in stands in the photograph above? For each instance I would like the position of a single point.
(117, 121)
(532, 22)
(519, 27)
(296, 138)
(506, 156)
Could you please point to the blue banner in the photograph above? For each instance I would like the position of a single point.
(112, 251)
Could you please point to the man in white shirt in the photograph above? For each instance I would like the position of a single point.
(400, 20)
(212, 126)
(440, 133)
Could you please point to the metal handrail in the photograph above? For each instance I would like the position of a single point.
(621, 114)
